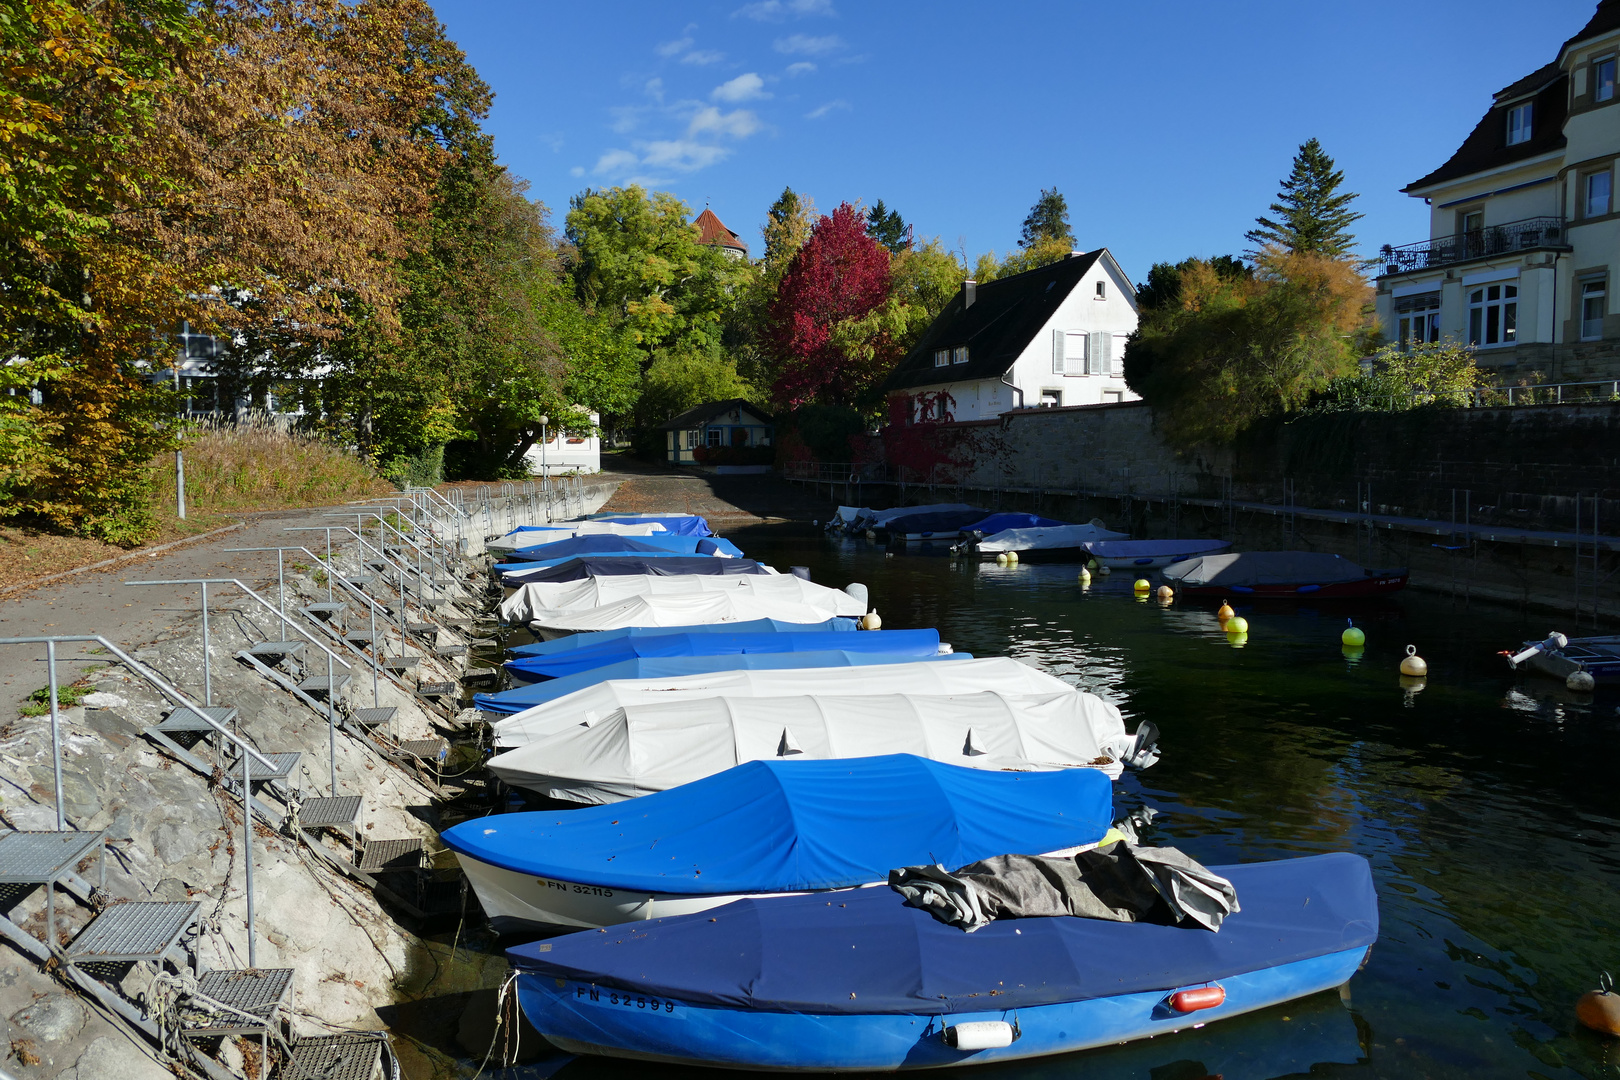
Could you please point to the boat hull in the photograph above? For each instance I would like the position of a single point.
(1603, 666)
(1379, 585)
(1146, 562)
(584, 1019)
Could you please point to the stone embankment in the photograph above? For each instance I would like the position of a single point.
(349, 892)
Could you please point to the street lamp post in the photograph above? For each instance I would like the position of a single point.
(545, 474)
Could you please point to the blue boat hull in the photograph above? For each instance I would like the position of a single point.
(580, 1018)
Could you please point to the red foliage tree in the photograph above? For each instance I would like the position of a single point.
(839, 274)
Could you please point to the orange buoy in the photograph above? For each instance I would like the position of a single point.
(1226, 611)
(1600, 1009)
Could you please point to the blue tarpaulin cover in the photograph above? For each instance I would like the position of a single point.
(669, 667)
(779, 826)
(1136, 549)
(1001, 522)
(946, 521)
(675, 524)
(866, 951)
(915, 642)
(609, 542)
(627, 563)
(752, 626)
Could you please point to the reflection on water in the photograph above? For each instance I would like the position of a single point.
(1485, 801)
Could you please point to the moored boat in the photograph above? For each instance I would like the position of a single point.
(734, 605)
(1151, 554)
(862, 981)
(1560, 657)
(621, 564)
(1282, 575)
(1054, 543)
(767, 827)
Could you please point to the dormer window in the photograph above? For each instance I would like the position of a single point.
(942, 358)
(1603, 79)
(1102, 290)
(959, 355)
(1518, 124)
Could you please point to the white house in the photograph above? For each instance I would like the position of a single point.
(1524, 236)
(565, 453)
(716, 425)
(1052, 336)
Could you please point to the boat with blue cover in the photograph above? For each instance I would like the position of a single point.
(1150, 554)
(860, 981)
(618, 564)
(757, 626)
(520, 698)
(767, 827)
(538, 667)
(1009, 520)
(674, 524)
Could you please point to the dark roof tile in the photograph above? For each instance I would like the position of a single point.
(700, 414)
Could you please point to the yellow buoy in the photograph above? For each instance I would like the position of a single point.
(1237, 624)
(1353, 636)
(1352, 653)
(1142, 585)
(871, 621)
(1091, 564)
(1600, 1009)
(1166, 592)
(1001, 558)
(1226, 611)
(1414, 664)
(1012, 558)
(1237, 640)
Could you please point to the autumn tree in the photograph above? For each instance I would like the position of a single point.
(1312, 215)
(888, 228)
(839, 275)
(1047, 221)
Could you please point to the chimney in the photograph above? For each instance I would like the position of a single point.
(970, 290)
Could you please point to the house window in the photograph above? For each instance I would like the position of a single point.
(1113, 397)
(1493, 315)
(959, 355)
(1069, 352)
(1594, 296)
(1603, 79)
(1518, 124)
(1102, 290)
(1417, 319)
(1598, 186)
(942, 358)
(1051, 399)
(713, 436)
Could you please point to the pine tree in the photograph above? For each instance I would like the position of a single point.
(888, 228)
(1048, 221)
(1312, 215)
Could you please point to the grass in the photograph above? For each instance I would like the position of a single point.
(39, 702)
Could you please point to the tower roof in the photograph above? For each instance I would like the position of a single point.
(713, 231)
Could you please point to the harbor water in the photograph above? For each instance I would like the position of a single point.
(1486, 801)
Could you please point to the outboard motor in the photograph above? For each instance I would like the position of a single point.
(1144, 749)
(802, 573)
(1554, 642)
(854, 589)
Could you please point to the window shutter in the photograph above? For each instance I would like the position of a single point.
(1116, 356)
(1097, 354)
(1058, 359)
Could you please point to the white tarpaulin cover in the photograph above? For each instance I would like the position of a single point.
(637, 749)
(567, 530)
(999, 673)
(692, 609)
(1056, 536)
(599, 592)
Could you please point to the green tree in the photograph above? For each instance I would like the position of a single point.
(888, 228)
(1047, 222)
(1313, 215)
(922, 280)
(677, 381)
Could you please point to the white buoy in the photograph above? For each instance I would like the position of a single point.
(1012, 558)
(979, 1035)
(871, 621)
(1580, 680)
(1414, 665)
(1001, 558)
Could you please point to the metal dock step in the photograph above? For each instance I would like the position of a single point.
(357, 1056)
(258, 992)
(383, 856)
(450, 650)
(37, 858)
(341, 812)
(422, 627)
(370, 718)
(325, 612)
(282, 766)
(400, 663)
(433, 750)
(140, 930)
(184, 719)
(320, 685)
(436, 689)
(360, 580)
(358, 637)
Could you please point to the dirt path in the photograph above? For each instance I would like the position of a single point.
(728, 502)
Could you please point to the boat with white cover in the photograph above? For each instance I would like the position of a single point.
(1151, 554)
(1055, 542)
(734, 605)
(596, 592)
(639, 749)
(767, 827)
(1001, 674)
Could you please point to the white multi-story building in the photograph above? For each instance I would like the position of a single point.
(1524, 233)
(1052, 336)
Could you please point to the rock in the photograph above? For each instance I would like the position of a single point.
(51, 1019)
(175, 842)
(170, 889)
(103, 700)
(114, 1058)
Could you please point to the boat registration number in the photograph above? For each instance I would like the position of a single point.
(574, 887)
(619, 999)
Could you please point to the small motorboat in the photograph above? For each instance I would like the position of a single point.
(674, 524)
(530, 535)
(859, 520)
(527, 696)
(586, 664)
(1561, 657)
(681, 609)
(915, 528)
(767, 827)
(1005, 520)
(585, 594)
(608, 545)
(629, 563)
(860, 981)
(1053, 543)
(904, 675)
(641, 748)
(1291, 575)
(610, 640)
(1150, 554)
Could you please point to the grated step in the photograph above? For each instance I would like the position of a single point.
(422, 627)
(140, 930)
(358, 637)
(276, 648)
(282, 766)
(401, 663)
(356, 1056)
(391, 855)
(256, 991)
(33, 858)
(360, 580)
(373, 717)
(450, 650)
(183, 719)
(426, 749)
(436, 689)
(325, 612)
(320, 685)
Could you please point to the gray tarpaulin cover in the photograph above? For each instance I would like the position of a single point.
(1119, 883)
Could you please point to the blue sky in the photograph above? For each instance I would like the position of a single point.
(1166, 125)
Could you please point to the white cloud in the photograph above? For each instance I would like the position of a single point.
(703, 57)
(831, 107)
(804, 44)
(683, 155)
(577, 170)
(674, 48)
(739, 123)
(803, 67)
(777, 10)
(616, 161)
(742, 88)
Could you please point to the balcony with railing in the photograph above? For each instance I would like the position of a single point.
(1493, 240)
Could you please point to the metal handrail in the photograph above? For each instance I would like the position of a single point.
(1536, 390)
(1510, 236)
